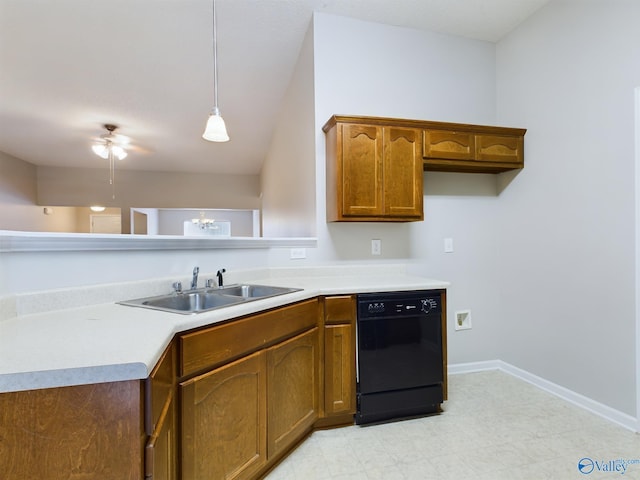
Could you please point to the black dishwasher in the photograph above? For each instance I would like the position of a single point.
(399, 355)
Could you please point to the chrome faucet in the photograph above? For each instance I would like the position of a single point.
(220, 279)
(194, 279)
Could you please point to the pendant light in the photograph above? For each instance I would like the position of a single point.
(216, 130)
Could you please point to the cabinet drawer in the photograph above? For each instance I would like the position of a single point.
(210, 347)
(339, 310)
(499, 148)
(448, 144)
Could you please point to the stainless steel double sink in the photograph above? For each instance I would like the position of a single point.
(207, 299)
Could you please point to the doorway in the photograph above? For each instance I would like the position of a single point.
(105, 224)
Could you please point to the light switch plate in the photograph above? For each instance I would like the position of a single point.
(448, 245)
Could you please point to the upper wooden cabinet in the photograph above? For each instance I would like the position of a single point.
(374, 171)
(371, 162)
(450, 147)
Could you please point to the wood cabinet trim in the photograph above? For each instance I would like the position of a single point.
(424, 125)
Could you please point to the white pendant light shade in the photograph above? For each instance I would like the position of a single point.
(216, 130)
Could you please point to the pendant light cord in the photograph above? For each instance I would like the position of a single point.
(216, 110)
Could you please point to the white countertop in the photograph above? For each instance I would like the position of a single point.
(107, 342)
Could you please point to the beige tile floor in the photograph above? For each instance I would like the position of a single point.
(494, 426)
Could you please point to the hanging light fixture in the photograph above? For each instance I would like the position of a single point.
(216, 130)
(107, 148)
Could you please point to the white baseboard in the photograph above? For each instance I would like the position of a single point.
(455, 368)
(597, 408)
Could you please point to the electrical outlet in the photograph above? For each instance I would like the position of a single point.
(463, 320)
(298, 253)
(376, 247)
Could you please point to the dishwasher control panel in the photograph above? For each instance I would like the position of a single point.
(373, 305)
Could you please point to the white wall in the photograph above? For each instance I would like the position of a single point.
(364, 68)
(288, 173)
(543, 258)
(567, 222)
(31, 272)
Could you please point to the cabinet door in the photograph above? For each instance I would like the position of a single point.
(81, 432)
(292, 399)
(361, 177)
(224, 421)
(402, 167)
(160, 451)
(339, 370)
(500, 148)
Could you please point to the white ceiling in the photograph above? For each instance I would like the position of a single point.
(69, 66)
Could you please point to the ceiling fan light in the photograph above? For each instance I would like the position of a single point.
(100, 150)
(119, 152)
(216, 130)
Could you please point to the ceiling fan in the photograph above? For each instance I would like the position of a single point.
(111, 143)
(111, 146)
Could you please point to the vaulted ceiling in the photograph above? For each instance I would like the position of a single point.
(69, 66)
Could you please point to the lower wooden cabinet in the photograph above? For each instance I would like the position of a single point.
(161, 448)
(224, 421)
(241, 416)
(238, 416)
(292, 391)
(92, 432)
(224, 402)
(339, 359)
(339, 370)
